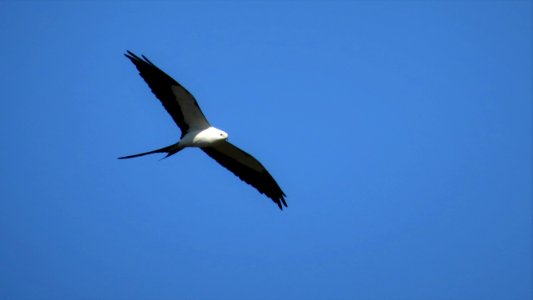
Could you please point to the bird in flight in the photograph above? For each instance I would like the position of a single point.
(197, 132)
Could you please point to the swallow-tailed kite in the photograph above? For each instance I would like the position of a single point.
(197, 132)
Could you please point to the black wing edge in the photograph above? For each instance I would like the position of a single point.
(134, 58)
(262, 181)
(160, 83)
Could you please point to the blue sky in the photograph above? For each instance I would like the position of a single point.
(399, 130)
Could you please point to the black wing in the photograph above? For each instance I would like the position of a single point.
(248, 169)
(178, 102)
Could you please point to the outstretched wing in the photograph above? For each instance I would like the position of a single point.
(178, 102)
(248, 169)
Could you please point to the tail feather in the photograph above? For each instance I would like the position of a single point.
(170, 150)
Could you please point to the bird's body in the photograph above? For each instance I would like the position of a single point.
(197, 132)
(203, 137)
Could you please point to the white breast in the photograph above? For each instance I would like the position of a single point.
(203, 138)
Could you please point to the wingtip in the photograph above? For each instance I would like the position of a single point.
(146, 59)
(130, 54)
(281, 201)
(135, 59)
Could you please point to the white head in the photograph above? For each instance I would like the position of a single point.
(221, 134)
(208, 137)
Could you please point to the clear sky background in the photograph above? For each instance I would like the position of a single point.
(399, 130)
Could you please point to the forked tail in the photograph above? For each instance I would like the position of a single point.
(169, 150)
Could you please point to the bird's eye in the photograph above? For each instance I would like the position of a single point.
(221, 134)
